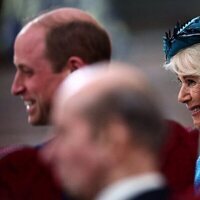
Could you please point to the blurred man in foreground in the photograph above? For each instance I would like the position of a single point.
(109, 132)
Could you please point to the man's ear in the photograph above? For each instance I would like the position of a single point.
(74, 63)
(118, 139)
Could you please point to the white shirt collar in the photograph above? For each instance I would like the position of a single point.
(131, 186)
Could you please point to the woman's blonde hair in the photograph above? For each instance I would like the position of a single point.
(186, 61)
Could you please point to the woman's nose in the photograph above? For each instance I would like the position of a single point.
(184, 95)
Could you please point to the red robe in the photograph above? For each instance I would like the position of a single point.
(178, 159)
(24, 177)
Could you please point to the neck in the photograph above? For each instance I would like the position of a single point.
(133, 164)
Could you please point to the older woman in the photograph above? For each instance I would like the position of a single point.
(182, 50)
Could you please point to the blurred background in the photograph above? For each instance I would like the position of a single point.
(136, 28)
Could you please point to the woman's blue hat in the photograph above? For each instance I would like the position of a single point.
(183, 36)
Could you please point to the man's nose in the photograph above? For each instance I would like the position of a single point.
(17, 85)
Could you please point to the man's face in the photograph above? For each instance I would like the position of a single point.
(35, 82)
(78, 158)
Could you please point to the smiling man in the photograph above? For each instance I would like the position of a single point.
(47, 50)
(35, 81)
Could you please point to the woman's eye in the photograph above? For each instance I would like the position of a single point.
(190, 82)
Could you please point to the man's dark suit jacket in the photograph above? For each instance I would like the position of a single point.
(158, 194)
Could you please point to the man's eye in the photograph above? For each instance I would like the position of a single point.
(27, 72)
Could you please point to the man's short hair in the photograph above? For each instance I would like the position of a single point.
(77, 38)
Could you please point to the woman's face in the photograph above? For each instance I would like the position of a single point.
(189, 94)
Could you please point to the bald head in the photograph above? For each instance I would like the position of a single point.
(118, 91)
(63, 15)
(117, 75)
